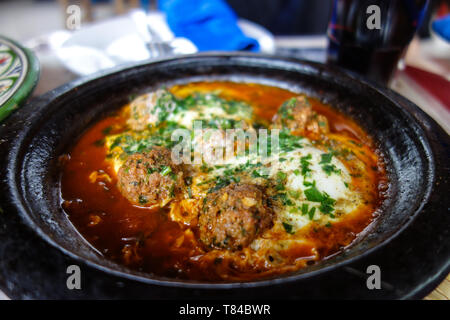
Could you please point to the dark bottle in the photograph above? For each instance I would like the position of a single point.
(369, 36)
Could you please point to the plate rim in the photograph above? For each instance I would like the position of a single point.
(28, 83)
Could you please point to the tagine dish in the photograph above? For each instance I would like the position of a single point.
(223, 182)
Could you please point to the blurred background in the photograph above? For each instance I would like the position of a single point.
(75, 38)
(278, 16)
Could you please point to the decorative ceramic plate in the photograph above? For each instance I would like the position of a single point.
(19, 73)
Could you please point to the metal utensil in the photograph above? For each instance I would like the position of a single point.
(155, 44)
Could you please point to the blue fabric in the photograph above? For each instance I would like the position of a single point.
(209, 24)
(442, 27)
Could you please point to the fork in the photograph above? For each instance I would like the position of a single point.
(155, 45)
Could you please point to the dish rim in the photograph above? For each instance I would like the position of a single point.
(20, 203)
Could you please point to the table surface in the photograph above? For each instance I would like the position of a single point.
(53, 74)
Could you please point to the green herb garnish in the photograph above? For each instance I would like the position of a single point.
(304, 162)
(326, 202)
(165, 170)
(288, 227)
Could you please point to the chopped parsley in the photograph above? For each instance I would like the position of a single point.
(281, 176)
(165, 170)
(304, 162)
(294, 194)
(288, 108)
(330, 168)
(306, 211)
(259, 174)
(327, 166)
(284, 199)
(326, 202)
(287, 142)
(325, 158)
(313, 194)
(307, 183)
(223, 181)
(142, 199)
(205, 169)
(288, 227)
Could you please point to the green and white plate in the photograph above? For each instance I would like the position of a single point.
(19, 73)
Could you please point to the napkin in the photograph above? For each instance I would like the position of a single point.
(442, 27)
(209, 24)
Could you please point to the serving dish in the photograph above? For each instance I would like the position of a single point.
(409, 242)
(19, 73)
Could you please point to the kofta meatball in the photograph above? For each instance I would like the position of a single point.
(150, 178)
(297, 115)
(234, 216)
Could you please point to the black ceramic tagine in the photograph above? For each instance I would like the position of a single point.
(410, 241)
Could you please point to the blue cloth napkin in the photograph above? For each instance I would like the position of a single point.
(442, 27)
(209, 24)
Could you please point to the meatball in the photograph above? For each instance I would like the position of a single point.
(297, 115)
(150, 178)
(234, 216)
